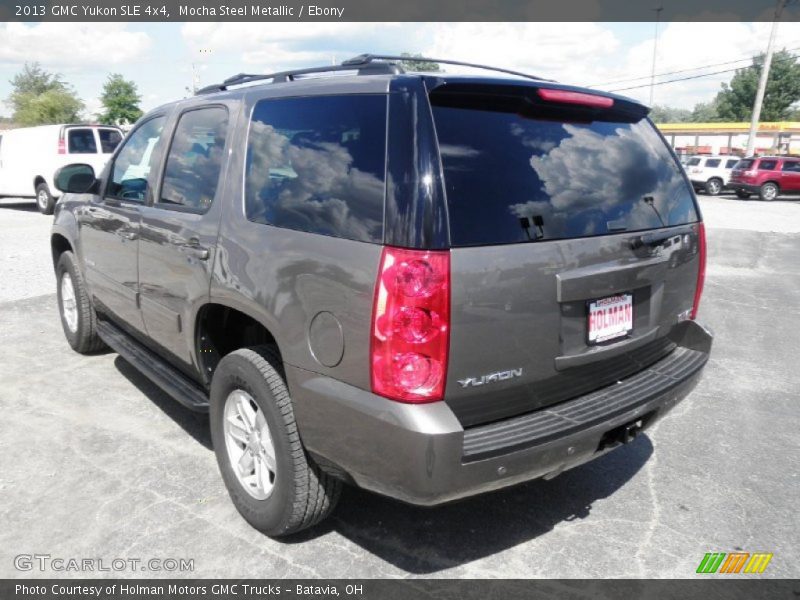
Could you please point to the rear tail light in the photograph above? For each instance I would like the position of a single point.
(568, 97)
(411, 325)
(701, 268)
(62, 148)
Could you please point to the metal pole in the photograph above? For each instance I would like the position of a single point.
(655, 49)
(762, 82)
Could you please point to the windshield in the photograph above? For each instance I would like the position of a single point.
(510, 178)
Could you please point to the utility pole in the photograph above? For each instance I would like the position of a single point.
(762, 81)
(655, 49)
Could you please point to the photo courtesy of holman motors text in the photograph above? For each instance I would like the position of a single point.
(380, 299)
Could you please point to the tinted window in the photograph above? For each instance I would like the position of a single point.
(767, 165)
(134, 162)
(317, 164)
(195, 158)
(510, 178)
(731, 163)
(81, 141)
(791, 166)
(693, 162)
(745, 164)
(109, 140)
(713, 163)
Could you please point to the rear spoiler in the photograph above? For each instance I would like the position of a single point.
(541, 101)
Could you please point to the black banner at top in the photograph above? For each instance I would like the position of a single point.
(396, 10)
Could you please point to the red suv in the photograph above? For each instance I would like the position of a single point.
(767, 176)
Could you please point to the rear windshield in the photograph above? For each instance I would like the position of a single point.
(512, 178)
(744, 164)
(81, 141)
(109, 139)
(693, 162)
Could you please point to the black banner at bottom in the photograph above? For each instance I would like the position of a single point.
(372, 589)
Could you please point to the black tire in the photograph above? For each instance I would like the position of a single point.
(713, 186)
(83, 338)
(44, 199)
(742, 194)
(303, 495)
(769, 191)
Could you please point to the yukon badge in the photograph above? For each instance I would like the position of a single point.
(490, 378)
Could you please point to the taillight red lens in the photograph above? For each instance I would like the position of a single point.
(62, 149)
(701, 268)
(568, 97)
(411, 325)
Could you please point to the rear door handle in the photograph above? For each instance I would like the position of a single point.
(128, 235)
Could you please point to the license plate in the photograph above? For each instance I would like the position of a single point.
(610, 318)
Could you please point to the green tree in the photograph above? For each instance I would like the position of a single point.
(668, 114)
(411, 64)
(121, 100)
(735, 101)
(705, 112)
(40, 98)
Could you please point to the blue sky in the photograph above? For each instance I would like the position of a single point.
(158, 57)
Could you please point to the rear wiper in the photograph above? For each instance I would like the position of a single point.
(538, 222)
(650, 201)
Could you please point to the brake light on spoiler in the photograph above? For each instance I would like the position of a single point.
(580, 98)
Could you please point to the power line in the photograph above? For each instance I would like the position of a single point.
(701, 75)
(708, 66)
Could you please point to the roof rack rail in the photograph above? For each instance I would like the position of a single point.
(366, 59)
(367, 68)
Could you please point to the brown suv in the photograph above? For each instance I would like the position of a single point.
(429, 286)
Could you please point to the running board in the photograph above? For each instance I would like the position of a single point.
(165, 376)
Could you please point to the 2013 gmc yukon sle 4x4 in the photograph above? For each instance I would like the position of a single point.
(426, 285)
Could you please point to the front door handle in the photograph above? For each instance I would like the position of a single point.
(193, 248)
(127, 235)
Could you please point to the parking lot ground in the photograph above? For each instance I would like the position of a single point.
(96, 462)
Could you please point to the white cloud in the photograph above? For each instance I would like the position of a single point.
(575, 53)
(569, 52)
(60, 45)
(687, 45)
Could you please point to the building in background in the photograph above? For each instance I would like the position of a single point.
(781, 137)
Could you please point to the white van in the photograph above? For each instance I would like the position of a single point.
(30, 156)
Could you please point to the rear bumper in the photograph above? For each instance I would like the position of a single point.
(422, 455)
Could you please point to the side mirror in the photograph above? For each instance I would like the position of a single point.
(75, 179)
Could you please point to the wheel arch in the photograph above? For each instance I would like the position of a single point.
(221, 328)
(58, 245)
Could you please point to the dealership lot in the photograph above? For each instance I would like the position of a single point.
(95, 462)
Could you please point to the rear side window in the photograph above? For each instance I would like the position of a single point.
(109, 140)
(767, 165)
(713, 163)
(317, 164)
(731, 163)
(195, 158)
(81, 141)
(513, 178)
